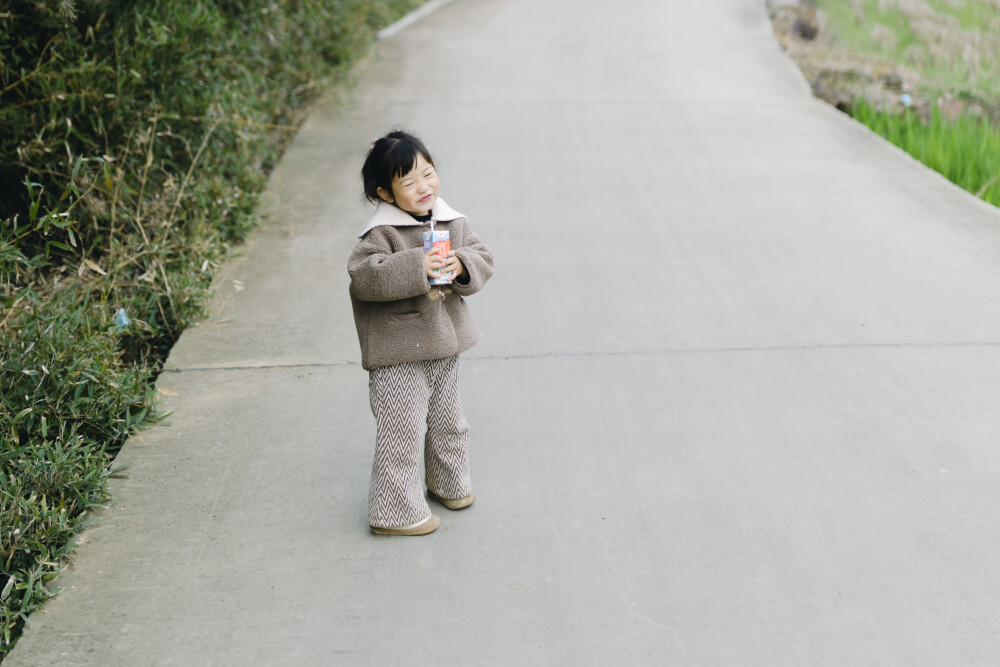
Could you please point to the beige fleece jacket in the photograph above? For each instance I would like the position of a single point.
(396, 318)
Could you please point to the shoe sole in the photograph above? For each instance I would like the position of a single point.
(454, 503)
(428, 525)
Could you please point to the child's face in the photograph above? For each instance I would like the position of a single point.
(416, 190)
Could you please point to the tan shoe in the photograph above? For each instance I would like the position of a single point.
(453, 503)
(428, 525)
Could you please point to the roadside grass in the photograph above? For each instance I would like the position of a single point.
(134, 141)
(965, 150)
(954, 44)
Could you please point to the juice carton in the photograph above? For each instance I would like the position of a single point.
(442, 241)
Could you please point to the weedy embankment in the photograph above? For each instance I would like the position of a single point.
(925, 74)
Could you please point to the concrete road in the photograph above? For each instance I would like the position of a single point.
(737, 399)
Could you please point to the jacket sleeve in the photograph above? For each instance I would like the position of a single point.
(378, 274)
(478, 262)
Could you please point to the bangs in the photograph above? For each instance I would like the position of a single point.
(401, 158)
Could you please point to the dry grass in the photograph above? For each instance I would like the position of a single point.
(939, 52)
(953, 46)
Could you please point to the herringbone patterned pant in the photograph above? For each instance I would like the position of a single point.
(416, 404)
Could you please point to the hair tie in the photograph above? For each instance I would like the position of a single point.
(372, 147)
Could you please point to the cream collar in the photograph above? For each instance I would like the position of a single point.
(387, 214)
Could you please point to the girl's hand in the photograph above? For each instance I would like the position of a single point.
(453, 265)
(433, 263)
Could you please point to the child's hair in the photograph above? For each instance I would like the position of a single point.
(393, 155)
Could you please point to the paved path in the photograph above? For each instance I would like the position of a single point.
(736, 402)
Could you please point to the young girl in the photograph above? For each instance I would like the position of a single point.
(411, 333)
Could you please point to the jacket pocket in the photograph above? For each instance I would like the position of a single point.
(406, 315)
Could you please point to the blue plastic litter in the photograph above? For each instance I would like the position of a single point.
(121, 320)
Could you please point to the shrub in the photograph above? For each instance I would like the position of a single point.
(66, 400)
(134, 140)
